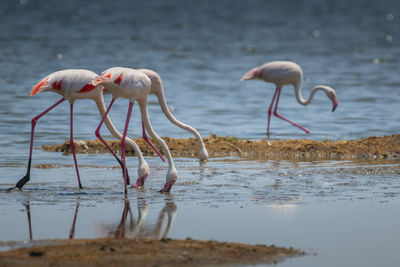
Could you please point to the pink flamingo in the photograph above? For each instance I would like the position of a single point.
(282, 73)
(135, 85)
(157, 89)
(76, 84)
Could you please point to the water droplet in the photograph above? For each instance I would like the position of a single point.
(376, 61)
(60, 56)
(23, 2)
(389, 38)
(316, 33)
(389, 17)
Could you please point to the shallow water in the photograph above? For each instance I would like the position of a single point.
(329, 210)
(201, 50)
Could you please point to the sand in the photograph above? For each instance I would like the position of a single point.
(385, 147)
(144, 252)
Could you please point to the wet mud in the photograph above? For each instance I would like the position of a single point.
(385, 147)
(144, 252)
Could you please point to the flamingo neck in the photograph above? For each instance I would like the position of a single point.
(307, 101)
(149, 128)
(164, 107)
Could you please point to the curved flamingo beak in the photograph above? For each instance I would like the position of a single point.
(167, 187)
(335, 103)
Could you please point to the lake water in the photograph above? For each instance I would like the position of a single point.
(201, 49)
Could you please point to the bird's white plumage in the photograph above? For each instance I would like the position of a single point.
(282, 73)
(75, 84)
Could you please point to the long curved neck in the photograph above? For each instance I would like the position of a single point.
(161, 99)
(110, 126)
(149, 128)
(300, 98)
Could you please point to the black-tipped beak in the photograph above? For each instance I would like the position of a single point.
(335, 104)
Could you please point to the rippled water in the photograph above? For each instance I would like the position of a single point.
(201, 49)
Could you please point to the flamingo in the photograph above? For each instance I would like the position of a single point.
(75, 84)
(135, 85)
(283, 73)
(157, 89)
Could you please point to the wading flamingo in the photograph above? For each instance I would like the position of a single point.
(135, 85)
(282, 73)
(76, 84)
(157, 89)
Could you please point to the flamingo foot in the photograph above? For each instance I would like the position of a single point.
(13, 189)
(167, 187)
(140, 181)
(21, 183)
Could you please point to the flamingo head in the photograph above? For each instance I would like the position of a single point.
(143, 172)
(252, 74)
(172, 176)
(330, 92)
(203, 154)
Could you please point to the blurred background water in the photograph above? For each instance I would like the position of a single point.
(201, 49)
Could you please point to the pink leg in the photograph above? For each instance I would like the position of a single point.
(270, 109)
(26, 178)
(97, 132)
(151, 144)
(72, 232)
(281, 117)
(71, 143)
(123, 144)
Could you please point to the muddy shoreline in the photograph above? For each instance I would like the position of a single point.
(384, 147)
(144, 252)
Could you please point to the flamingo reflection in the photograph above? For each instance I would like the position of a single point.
(138, 228)
(27, 206)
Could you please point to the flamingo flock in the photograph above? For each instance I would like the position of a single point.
(136, 85)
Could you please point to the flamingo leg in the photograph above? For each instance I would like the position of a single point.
(283, 118)
(123, 144)
(270, 109)
(26, 178)
(150, 143)
(97, 132)
(71, 143)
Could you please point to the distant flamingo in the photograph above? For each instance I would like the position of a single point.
(75, 84)
(282, 73)
(135, 85)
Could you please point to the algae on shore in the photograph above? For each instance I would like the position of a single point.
(385, 147)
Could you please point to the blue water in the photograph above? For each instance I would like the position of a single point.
(201, 49)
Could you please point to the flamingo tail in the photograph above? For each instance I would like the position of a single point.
(41, 86)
